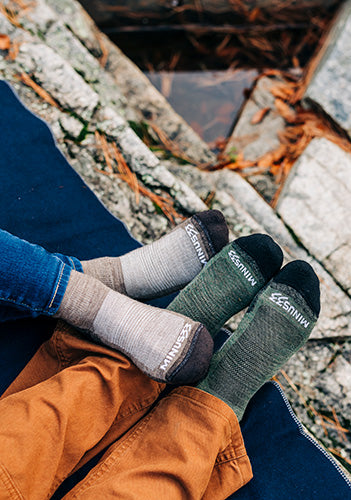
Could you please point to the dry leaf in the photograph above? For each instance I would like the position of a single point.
(285, 110)
(259, 115)
(5, 42)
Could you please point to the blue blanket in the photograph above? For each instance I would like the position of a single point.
(44, 201)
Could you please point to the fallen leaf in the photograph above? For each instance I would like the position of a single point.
(259, 115)
(5, 42)
(285, 110)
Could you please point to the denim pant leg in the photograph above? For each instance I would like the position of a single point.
(32, 280)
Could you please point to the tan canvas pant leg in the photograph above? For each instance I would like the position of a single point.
(188, 447)
(71, 401)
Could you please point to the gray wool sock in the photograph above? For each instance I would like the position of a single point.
(166, 265)
(165, 345)
(278, 322)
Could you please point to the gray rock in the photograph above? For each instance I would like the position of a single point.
(254, 140)
(71, 126)
(330, 84)
(58, 78)
(72, 50)
(144, 101)
(321, 374)
(44, 22)
(74, 94)
(255, 215)
(144, 162)
(316, 204)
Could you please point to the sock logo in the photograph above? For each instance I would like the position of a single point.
(283, 302)
(193, 235)
(184, 334)
(234, 257)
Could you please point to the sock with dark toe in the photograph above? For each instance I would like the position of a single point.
(277, 323)
(229, 281)
(165, 345)
(166, 265)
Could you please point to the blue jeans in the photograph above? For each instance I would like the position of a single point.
(32, 280)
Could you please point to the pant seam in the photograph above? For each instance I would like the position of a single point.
(57, 287)
(72, 262)
(136, 408)
(231, 459)
(9, 484)
(61, 356)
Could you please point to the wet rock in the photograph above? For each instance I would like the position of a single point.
(256, 139)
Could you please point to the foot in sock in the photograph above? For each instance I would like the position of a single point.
(229, 282)
(277, 323)
(165, 345)
(166, 265)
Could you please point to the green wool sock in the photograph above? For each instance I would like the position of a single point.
(228, 283)
(277, 324)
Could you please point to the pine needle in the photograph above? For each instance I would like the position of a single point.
(27, 80)
(100, 138)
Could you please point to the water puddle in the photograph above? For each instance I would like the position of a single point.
(209, 101)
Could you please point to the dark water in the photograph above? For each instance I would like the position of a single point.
(190, 67)
(208, 100)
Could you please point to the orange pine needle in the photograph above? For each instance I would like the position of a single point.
(10, 15)
(169, 145)
(338, 454)
(105, 150)
(308, 406)
(14, 49)
(27, 80)
(166, 205)
(104, 51)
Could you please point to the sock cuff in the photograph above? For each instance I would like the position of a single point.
(213, 224)
(83, 297)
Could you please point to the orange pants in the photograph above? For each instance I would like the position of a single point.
(75, 398)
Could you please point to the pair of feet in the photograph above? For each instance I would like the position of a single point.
(217, 280)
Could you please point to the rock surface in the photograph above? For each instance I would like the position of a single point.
(321, 373)
(316, 204)
(255, 138)
(145, 103)
(330, 86)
